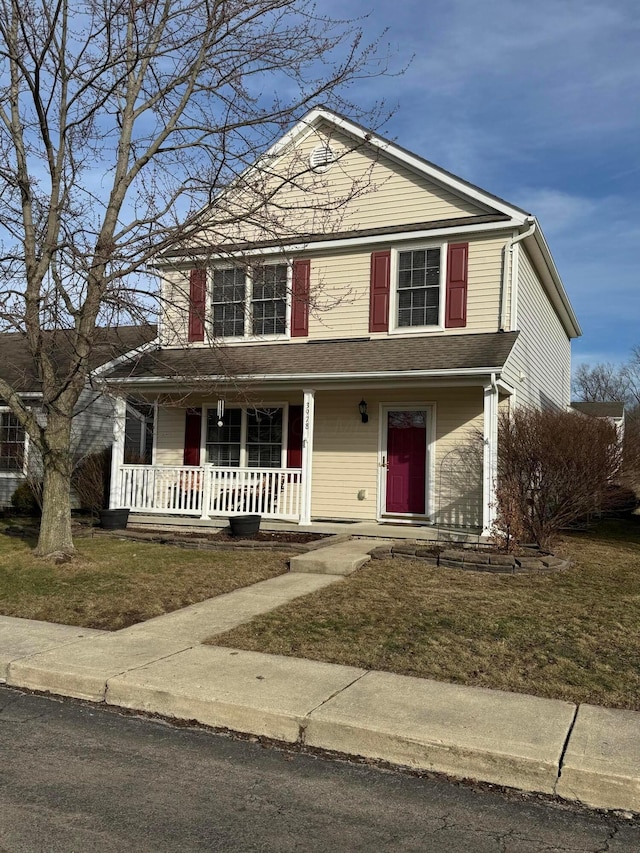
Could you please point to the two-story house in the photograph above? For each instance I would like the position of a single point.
(342, 352)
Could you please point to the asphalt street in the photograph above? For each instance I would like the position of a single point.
(77, 777)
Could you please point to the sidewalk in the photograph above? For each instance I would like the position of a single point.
(587, 754)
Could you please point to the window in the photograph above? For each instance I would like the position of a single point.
(249, 302)
(223, 442)
(269, 299)
(247, 438)
(229, 290)
(419, 284)
(264, 438)
(12, 440)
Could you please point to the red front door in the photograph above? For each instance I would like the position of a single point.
(406, 461)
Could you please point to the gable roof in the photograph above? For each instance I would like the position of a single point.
(385, 358)
(609, 409)
(18, 369)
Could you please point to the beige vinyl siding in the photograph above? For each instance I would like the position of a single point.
(170, 436)
(340, 292)
(364, 188)
(175, 287)
(340, 288)
(539, 366)
(345, 454)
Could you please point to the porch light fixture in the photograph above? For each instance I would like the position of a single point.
(220, 412)
(362, 406)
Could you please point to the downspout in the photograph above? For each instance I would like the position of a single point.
(490, 454)
(507, 266)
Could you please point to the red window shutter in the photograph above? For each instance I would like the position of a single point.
(192, 434)
(300, 299)
(197, 303)
(456, 304)
(379, 293)
(294, 437)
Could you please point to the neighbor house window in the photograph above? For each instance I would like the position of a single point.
(12, 439)
(249, 301)
(418, 293)
(247, 438)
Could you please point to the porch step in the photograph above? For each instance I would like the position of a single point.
(341, 559)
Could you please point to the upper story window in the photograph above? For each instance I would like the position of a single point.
(12, 442)
(249, 301)
(419, 282)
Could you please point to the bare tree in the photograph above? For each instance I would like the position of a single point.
(120, 122)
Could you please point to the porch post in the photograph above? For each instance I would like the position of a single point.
(490, 456)
(117, 450)
(308, 410)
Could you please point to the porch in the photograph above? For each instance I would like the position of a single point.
(206, 491)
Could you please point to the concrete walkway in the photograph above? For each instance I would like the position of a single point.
(586, 754)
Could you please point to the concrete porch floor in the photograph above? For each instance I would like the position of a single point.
(360, 529)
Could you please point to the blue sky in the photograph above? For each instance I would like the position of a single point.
(537, 103)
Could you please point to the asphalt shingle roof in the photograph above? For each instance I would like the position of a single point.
(18, 368)
(316, 358)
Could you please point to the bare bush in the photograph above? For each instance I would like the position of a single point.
(554, 468)
(90, 480)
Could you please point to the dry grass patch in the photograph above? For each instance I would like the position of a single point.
(114, 583)
(572, 635)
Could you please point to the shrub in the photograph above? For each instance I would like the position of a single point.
(554, 468)
(25, 500)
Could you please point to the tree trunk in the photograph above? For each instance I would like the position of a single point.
(55, 526)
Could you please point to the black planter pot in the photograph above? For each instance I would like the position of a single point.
(114, 519)
(244, 525)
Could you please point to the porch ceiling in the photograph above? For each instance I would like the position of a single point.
(392, 357)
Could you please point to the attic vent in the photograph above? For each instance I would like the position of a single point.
(322, 157)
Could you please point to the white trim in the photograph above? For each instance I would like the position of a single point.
(489, 456)
(154, 441)
(394, 328)
(347, 242)
(117, 449)
(308, 423)
(430, 460)
(315, 377)
(515, 273)
(127, 356)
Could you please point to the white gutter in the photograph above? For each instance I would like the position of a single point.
(507, 267)
(305, 377)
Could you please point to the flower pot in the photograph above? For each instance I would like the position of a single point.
(114, 519)
(244, 525)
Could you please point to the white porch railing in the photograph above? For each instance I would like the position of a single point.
(208, 492)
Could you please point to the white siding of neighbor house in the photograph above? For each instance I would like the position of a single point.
(364, 188)
(345, 451)
(539, 367)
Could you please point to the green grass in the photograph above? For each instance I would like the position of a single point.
(573, 635)
(114, 583)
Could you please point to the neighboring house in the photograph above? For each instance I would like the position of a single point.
(612, 410)
(353, 368)
(93, 422)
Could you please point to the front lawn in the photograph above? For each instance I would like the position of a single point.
(573, 635)
(115, 583)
